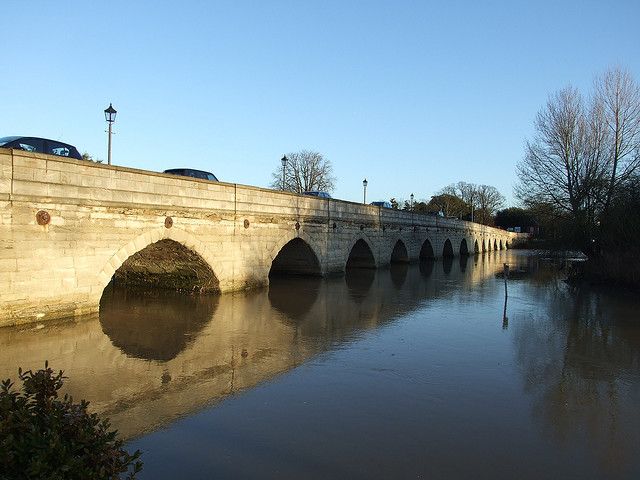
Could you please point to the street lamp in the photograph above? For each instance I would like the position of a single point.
(110, 117)
(364, 186)
(472, 199)
(411, 197)
(284, 167)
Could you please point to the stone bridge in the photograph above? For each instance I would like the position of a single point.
(68, 228)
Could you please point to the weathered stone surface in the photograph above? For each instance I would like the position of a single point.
(102, 215)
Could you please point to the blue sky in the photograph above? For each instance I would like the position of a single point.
(412, 95)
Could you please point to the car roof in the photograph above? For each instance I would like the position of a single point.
(16, 137)
(169, 170)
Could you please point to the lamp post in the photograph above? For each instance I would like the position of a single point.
(284, 168)
(411, 205)
(110, 117)
(364, 187)
(472, 199)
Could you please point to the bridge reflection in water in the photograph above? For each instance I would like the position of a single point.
(558, 382)
(148, 359)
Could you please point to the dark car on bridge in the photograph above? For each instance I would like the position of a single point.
(41, 145)
(315, 193)
(190, 172)
(382, 204)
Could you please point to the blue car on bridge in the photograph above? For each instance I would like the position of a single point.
(382, 204)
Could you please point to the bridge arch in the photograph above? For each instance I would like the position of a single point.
(426, 250)
(176, 235)
(360, 255)
(289, 237)
(464, 249)
(296, 257)
(399, 253)
(495, 244)
(447, 249)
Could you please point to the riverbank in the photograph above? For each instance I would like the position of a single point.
(612, 270)
(609, 269)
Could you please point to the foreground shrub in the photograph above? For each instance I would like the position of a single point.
(44, 437)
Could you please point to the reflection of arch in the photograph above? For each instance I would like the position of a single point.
(144, 240)
(398, 274)
(294, 297)
(447, 249)
(501, 245)
(361, 256)
(484, 246)
(464, 250)
(399, 253)
(447, 263)
(155, 324)
(463, 262)
(359, 282)
(506, 244)
(426, 251)
(495, 244)
(475, 246)
(296, 257)
(426, 267)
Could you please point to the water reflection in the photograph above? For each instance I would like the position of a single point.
(580, 358)
(293, 296)
(359, 281)
(463, 260)
(148, 361)
(426, 266)
(447, 264)
(164, 355)
(153, 325)
(398, 273)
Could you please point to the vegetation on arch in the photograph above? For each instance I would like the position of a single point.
(304, 171)
(43, 436)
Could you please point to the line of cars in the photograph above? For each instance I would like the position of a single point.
(54, 147)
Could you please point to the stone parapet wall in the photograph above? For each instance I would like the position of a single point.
(96, 216)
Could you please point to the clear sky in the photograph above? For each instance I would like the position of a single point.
(412, 95)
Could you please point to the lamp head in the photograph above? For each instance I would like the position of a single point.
(110, 114)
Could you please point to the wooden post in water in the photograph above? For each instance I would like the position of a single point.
(506, 275)
(505, 320)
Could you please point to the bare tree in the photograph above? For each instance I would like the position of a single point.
(618, 96)
(477, 202)
(554, 169)
(489, 200)
(581, 155)
(305, 171)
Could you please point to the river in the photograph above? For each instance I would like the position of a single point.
(417, 371)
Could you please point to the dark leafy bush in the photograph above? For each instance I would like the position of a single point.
(45, 437)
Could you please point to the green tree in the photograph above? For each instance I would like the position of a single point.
(87, 157)
(515, 217)
(450, 205)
